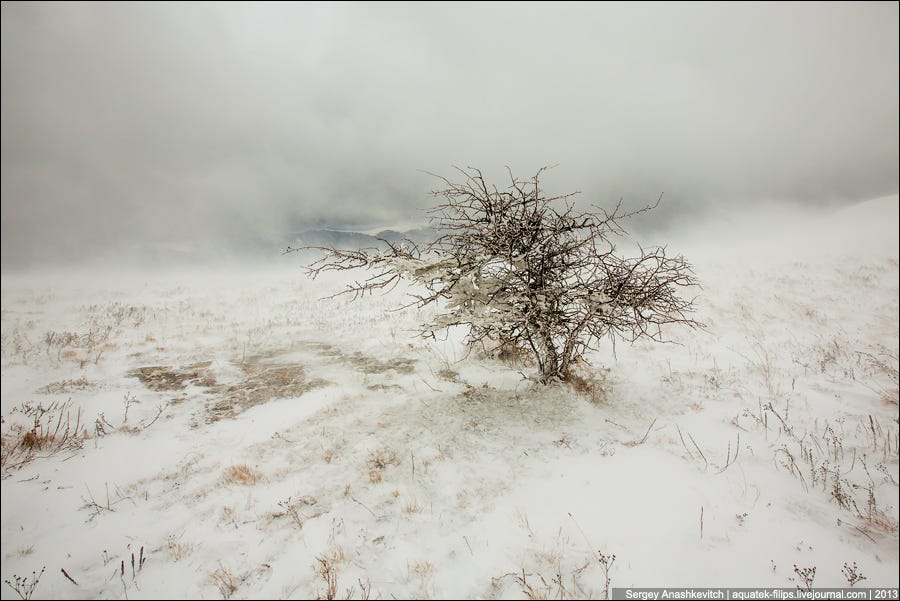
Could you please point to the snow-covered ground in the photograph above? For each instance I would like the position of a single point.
(238, 437)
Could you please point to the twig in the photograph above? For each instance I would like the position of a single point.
(66, 574)
(634, 443)
(366, 507)
(699, 451)
(701, 522)
(683, 443)
(470, 546)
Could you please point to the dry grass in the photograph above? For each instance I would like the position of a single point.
(883, 375)
(65, 386)
(533, 590)
(163, 378)
(373, 365)
(24, 586)
(327, 571)
(379, 460)
(223, 580)
(179, 550)
(841, 459)
(424, 572)
(291, 508)
(591, 384)
(229, 515)
(49, 430)
(242, 475)
(262, 383)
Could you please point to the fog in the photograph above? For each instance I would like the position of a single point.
(221, 129)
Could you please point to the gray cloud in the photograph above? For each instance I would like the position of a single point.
(130, 124)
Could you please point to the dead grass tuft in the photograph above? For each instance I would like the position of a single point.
(242, 475)
(412, 506)
(48, 430)
(327, 571)
(224, 580)
(592, 385)
(65, 386)
(379, 460)
(883, 375)
(179, 550)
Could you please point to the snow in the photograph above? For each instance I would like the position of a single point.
(419, 469)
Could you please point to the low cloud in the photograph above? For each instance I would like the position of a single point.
(132, 125)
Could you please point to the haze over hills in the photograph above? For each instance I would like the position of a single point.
(352, 239)
(862, 227)
(176, 254)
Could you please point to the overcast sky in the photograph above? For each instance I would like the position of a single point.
(130, 125)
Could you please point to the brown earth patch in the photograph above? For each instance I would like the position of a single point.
(161, 377)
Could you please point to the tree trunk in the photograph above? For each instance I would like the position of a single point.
(551, 361)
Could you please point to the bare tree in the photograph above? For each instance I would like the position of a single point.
(525, 270)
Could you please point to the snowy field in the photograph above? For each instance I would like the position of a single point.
(228, 434)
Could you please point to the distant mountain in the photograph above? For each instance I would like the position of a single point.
(349, 239)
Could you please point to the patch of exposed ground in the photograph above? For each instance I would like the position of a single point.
(362, 362)
(263, 379)
(262, 383)
(161, 378)
(372, 365)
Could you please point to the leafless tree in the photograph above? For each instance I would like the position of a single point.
(528, 271)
